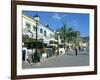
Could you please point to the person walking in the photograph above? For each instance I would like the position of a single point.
(79, 47)
(76, 53)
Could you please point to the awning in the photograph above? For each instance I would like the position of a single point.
(53, 45)
(52, 39)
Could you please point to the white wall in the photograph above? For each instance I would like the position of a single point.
(5, 37)
(32, 23)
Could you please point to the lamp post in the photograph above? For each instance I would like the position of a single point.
(58, 41)
(31, 55)
(36, 54)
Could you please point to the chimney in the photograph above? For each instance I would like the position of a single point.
(47, 26)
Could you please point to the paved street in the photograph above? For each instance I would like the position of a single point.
(64, 60)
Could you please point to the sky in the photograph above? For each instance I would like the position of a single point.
(55, 20)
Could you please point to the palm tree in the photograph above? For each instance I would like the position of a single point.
(63, 32)
(67, 34)
(72, 36)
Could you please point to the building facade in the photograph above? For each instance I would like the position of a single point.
(44, 33)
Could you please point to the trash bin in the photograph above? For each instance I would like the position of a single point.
(49, 52)
(37, 56)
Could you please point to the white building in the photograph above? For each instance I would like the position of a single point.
(29, 28)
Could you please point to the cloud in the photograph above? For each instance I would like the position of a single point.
(75, 23)
(57, 16)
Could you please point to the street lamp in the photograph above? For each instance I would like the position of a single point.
(36, 54)
(31, 55)
(58, 41)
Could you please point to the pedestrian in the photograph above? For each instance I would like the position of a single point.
(76, 50)
(79, 48)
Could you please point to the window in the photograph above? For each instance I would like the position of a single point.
(45, 33)
(28, 26)
(34, 28)
(51, 35)
(41, 30)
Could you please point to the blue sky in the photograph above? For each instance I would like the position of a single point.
(55, 20)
